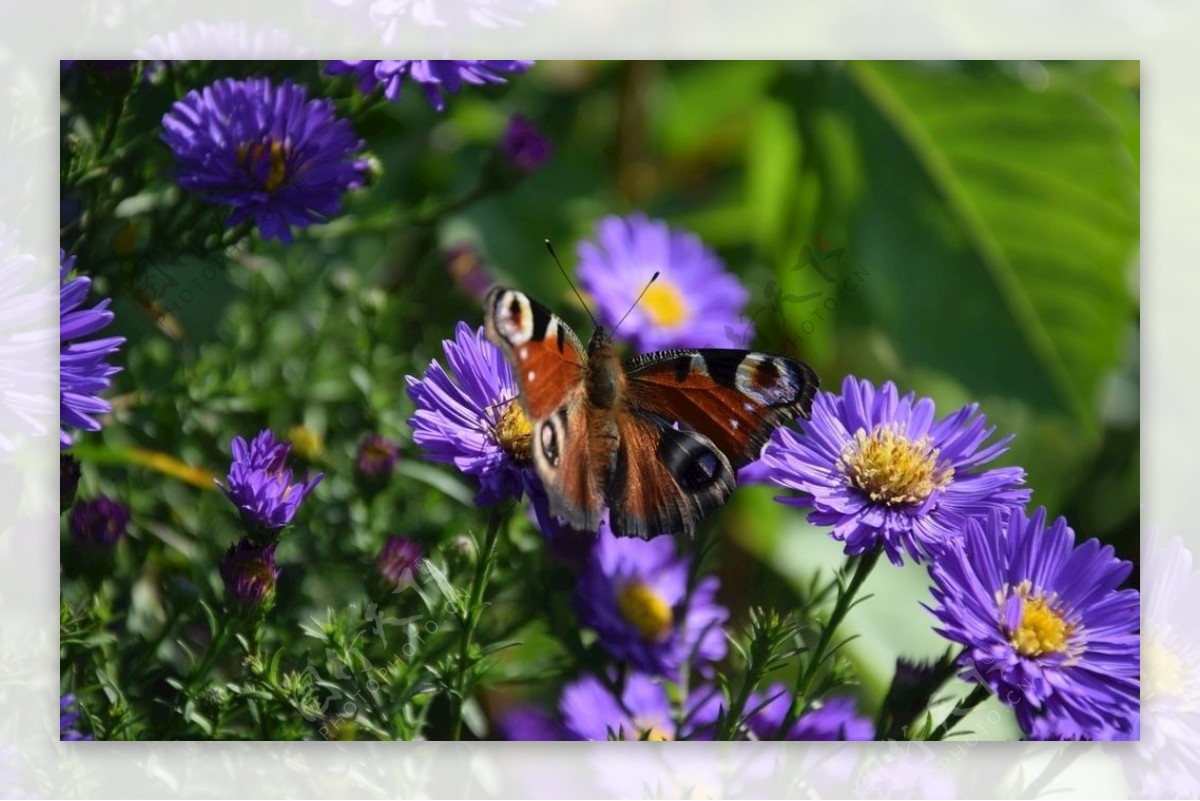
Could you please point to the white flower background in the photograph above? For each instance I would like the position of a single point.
(33, 36)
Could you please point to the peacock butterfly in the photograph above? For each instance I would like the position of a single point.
(657, 439)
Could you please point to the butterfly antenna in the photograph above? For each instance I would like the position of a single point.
(571, 283)
(645, 289)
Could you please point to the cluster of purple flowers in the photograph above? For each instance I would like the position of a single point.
(1042, 621)
(434, 78)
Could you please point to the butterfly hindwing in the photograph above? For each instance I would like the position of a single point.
(546, 357)
(736, 398)
(665, 478)
(565, 457)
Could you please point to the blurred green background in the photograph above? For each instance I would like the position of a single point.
(976, 225)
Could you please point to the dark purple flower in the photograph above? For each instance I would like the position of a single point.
(269, 152)
(1043, 624)
(882, 471)
(249, 572)
(84, 370)
(376, 456)
(100, 522)
(435, 78)
(633, 593)
(834, 718)
(260, 482)
(591, 712)
(524, 146)
(690, 304)
(68, 718)
(399, 561)
(529, 723)
(469, 417)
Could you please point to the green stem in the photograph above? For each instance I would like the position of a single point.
(471, 615)
(960, 711)
(845, 600)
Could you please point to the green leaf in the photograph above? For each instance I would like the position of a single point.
(1005, 214)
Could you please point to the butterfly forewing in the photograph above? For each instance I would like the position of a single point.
(736, 398)
(546, 357)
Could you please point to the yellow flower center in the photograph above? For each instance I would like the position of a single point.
(514, 432)
(664, 305)
(649, 731)
(1042, 630)
(892, 469)
(1162, 669)
(645, 610)
(251, 153)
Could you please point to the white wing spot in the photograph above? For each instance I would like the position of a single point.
(530, 375)
(748, 407)
(733, 424)
(524, 353)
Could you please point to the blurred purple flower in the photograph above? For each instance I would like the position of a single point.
(376, 456)
(260, 482)
(524, 146)
(27, 331)
(643, 712)
(835, 718)
(68, 720)
(84, 370)
(269, 152)
(100, 522)
(469, 417)
(881, 471)
(435, 78)
(1044, 625)
(690, 304)
(470, 273)
(399, 560)
(529, 723)
(249, 572)
(633, 593)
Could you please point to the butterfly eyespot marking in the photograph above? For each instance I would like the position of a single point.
(514, 318)
(700, 471)
(766, 380)
(548, 442)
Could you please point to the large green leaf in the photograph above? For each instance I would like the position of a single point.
(998, 226)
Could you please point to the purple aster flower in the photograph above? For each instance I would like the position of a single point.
(834, 718)
(260, 482)
(643, 712)
(68, 718)
(881, 471)
(633, 592)
(268, 151)
(435, 78)
(524, 146)
(100, 522)
(84, 370)
(469, 418)
(249, 572)
(690, 304)
(1043, 624)
(376, 457)
(399, 560)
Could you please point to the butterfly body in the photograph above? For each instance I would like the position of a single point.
(656, 440)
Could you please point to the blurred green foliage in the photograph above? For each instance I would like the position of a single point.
(967, 230)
